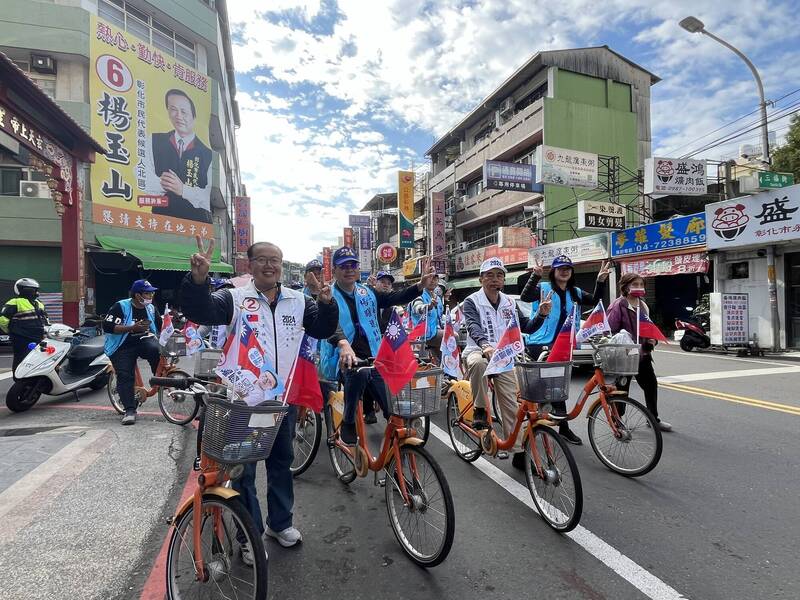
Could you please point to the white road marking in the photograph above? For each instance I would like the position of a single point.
(728, 374)
(6, 375)
(21, 501)
(644, 581)
(694, 355)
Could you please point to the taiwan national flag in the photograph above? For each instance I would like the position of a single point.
(167, 328)
(562, 347)
(647, 329)
(596, 324)
(303, 385)
(395, 361)
(451, 354)
(508, 347)
(251, 357)
(419, 330)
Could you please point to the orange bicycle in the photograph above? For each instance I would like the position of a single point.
(418, 498)
(550, 469)
(178, 409)
(623, 434)
(209, 527)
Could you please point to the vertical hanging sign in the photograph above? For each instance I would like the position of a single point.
(405, 209)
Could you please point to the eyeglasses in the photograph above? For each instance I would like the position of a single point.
(273, 261)
(349, 266)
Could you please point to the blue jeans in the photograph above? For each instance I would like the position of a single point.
(280, 485)
(355, 382)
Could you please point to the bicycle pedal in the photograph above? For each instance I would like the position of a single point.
(379, 481)
(501, 454)
(196, 466)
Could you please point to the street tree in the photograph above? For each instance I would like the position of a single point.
(786, 159)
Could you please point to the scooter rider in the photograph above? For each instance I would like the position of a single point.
(131, 328)
(24, 318)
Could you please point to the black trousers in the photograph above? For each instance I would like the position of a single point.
(646, 378)
(19, 344)
(124, 361)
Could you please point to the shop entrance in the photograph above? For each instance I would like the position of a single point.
(793, 299)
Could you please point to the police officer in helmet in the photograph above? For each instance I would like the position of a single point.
(24, 318)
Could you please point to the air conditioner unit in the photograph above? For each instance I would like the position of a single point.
(34, 189)
(507, 107)
(42, 63)
(461, 188)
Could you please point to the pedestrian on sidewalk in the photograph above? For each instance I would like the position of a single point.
(279, 316)
(623, 314)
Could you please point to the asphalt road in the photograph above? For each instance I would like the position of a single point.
(716, 519)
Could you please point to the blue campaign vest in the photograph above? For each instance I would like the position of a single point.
(547, 332)
(367, 310)
(434, 316)
(115, 340)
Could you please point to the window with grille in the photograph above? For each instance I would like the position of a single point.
(128, 17)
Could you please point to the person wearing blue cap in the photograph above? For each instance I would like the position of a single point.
(131, 327)
(551, 302)
(313, 278)
(359, 335)
(384, 282)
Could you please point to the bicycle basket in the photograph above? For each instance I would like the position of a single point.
(617, 359)
(236, 433)
(207, 361)
(175, 346)
(543, 382)
(419, 397)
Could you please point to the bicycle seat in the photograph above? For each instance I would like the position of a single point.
(88, 350)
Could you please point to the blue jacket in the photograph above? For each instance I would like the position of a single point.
(547, 331)
(434, 316)
(115, 340)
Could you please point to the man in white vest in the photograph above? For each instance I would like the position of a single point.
(488, 313)
(279, 317)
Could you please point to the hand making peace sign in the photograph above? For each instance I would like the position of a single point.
(537, 267)
(325, 294)
(604, 271)
(201, 260)
(546, 303)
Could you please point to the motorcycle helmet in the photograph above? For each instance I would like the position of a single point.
(25, 283)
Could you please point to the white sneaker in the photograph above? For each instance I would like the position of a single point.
(664, 426)
(247, 554)
(286, 538)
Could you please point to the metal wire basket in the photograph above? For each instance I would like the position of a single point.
(175, 346)
(236, 433)
(617, 359)
(543, 382)
(419, 397)
(207, 360)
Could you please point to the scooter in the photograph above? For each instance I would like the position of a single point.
(695, 332)
(55, 367)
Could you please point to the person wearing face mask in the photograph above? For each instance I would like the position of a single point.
(132, 326)
(24, 318)
(551, 303)
(622, 314)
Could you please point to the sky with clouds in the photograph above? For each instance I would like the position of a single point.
(337, 95)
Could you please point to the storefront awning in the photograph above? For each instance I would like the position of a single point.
(161, 256)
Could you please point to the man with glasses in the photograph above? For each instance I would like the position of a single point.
(131, 327)
(359, 334)
(279, 317)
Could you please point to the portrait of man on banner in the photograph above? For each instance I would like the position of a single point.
(181, 163)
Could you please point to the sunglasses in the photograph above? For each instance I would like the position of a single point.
(349, 266)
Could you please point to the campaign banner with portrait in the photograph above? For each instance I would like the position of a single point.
(151, 112)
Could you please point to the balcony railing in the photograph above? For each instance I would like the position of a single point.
(490, 203)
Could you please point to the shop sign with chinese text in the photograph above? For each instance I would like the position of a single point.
(514, 237)
(569, 168)
(438, 244)
(675, 264)
(682, 176)
(600, 216)
(472, 259)
(358, 220)
(516, 177)
(766, 218)
(580, 250)
(768, 180)
(151, 112)
(662, 236)
(242, 207)
(386, 253)
(405, 209)
(730, 319)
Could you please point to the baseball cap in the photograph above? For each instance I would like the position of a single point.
(142, 285)
(384, 274)
(314, 264)
(492, 263)
(561, 261)
(343, 255)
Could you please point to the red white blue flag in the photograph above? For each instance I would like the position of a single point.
(395, 361)
(596, 324)
(509, 346)
(451, 354)
(647, 329)
(565, 340)
(193, 340)
(167, 328)
(302, 387)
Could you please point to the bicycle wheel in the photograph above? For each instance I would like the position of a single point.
(466, 447)
(307, 435)
(423, 427)
(557, 492)
(225, 526)
(637, 448)
(340, 460)
(113, 396)
(180, 409)
(426, 525)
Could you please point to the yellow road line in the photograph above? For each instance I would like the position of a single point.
(784, 408)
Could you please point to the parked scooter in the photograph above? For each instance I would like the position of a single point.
(55, 366)
(695, 330)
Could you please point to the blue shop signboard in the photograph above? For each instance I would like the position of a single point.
(670, 235)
